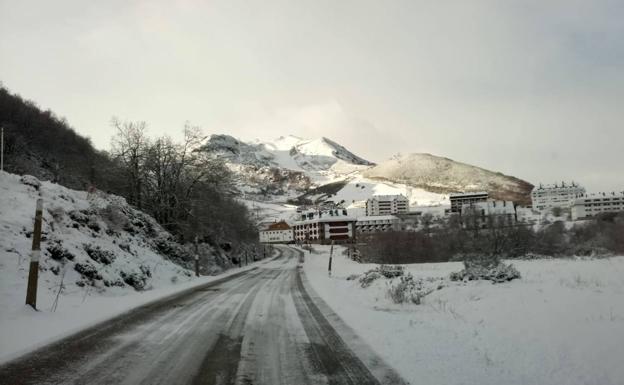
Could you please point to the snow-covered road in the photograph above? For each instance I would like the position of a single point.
(261, 326)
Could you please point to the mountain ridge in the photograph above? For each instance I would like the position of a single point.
(292, 167)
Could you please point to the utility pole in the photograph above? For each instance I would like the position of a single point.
(196, 258)
(331, 253)
(2, 148)
(33, 273)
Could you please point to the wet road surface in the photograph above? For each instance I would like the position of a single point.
(261, 326)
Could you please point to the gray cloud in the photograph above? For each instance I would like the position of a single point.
(527, 88)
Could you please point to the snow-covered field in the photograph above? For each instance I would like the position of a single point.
(562, 323)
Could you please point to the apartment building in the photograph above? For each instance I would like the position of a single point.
(278, 232)
(545, 197)
(492, 212)
(325, 226)
(387, 205)
(458, 200)
(376, 224)
(592, 205)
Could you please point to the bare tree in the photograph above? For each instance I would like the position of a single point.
(129, 148)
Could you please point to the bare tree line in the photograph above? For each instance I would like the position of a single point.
(187, 191)
(460, 238)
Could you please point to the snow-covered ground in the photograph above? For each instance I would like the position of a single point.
(562, 323)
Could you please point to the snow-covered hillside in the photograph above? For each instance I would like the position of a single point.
(96, 244)
(443, 175)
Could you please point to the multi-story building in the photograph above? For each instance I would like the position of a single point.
(484, 214)
(458, 200)
(278, 232)
(325, 226)
(377, 223)
(387, 205)
(545, 197)
(592, 205)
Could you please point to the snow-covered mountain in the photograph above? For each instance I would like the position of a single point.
(295, 170)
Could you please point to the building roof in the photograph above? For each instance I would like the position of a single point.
(377, 218)
(466, 194)
(555, 186)
(281, 225)
(388, 197)
(601, 196)
(326, 219)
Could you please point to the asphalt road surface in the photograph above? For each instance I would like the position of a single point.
(262, 326)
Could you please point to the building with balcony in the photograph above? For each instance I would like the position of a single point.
(591, 205)
(387, 205)
(325, 226)
(377, 224)
(545, 197)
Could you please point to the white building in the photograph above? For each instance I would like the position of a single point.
(325, 226)
(279, 232)
(592, 205)
(387, 205)
(458, 200)
(377, 223)
(498, 213)
(545, 197)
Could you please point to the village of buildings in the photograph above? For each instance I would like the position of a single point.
(330, 223)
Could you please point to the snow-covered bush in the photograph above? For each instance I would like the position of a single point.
(88, 271)
(57, 252)
(97, 254)
(385, 271)
(486, 268)
(368, 278)
(30, 180)
(412, 290)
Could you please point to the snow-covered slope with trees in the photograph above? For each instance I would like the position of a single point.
(91, 243)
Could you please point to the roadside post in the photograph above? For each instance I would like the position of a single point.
(331, 253)
(196, 257)
(33, 273)
(1, 148)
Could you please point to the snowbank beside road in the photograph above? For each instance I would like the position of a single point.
(23, 329)
(562, 323)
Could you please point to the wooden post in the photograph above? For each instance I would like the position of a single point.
(196, 258)
(2, 149)
(33, 273)
(331, 253)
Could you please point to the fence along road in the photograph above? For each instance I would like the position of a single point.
(262, 326)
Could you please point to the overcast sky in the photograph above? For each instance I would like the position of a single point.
(533, 89)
